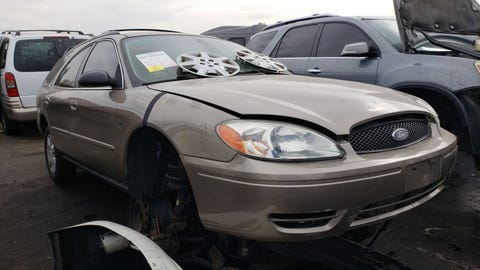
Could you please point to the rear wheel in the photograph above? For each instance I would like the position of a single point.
(60, 170)
(10, 127)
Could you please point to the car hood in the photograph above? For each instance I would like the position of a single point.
(333, 104)
(458, 17)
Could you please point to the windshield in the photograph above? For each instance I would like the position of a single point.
(153, 58)
(41, 54)
(389, 30)
(417, 41)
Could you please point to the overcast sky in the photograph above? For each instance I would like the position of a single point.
(189, 16)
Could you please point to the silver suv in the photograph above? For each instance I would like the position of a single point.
(26, 57)
(432, 52)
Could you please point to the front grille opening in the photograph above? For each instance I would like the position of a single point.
(392, 204)
(378, 136)
(303, 220)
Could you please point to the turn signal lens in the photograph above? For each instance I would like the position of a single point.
(231, 137)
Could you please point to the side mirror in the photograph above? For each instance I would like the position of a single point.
(95, 78)
(356, 49)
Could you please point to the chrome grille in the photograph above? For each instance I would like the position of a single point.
(378, 136)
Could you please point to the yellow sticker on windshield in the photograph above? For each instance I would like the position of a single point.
(155, 68)
(156, 61)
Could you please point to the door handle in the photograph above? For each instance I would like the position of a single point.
(47, 100)
(73, 105)
(314, 70)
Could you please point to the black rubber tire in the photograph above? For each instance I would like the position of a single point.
(10, 127)
(60, 170)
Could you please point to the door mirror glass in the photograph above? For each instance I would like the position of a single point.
(95, 78)
(356, 49)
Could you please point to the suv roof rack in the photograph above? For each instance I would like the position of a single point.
(118, 31)
(19, 32)
(314, 16)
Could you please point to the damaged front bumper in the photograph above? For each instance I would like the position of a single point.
(278, 202)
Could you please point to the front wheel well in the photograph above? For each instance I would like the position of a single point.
(449, 111)
(162, 199)
(153, 164)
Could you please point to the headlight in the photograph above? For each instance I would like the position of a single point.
(277, 140)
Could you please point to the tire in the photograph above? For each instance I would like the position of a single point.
(61, 171)
(10, 127)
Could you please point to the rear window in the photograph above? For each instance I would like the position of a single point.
(40, 54)
(259, 42)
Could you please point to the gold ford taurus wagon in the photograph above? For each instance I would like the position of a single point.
(206, 135)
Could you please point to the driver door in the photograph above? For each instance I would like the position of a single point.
(97, 127)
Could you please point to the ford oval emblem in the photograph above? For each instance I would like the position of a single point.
(400, 134)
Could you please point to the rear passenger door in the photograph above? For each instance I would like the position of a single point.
(57, 103)
(328, 62)
(296, 46)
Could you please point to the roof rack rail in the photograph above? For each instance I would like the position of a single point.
(19, 32)
(314, 16)
(117, 31)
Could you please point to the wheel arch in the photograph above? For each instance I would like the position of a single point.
(146, 148)
(443, 101)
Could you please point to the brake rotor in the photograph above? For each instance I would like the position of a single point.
(206, 64)
(261, 61)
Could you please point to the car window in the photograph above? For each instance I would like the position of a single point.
(389, 30)
(240, 41)
(104, 57)
(3, 52)
(69, 73)
(297, 42)
(40, 54)
(336, 35)
(259, 42)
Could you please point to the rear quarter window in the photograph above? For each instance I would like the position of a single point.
(40, 54)
(259, 42)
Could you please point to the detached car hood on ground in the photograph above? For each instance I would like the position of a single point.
(311, 99)
(106, 245)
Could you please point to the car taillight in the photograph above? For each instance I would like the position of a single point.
(11, 85)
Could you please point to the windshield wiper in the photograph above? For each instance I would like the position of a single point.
(449, 46)
(261, 71)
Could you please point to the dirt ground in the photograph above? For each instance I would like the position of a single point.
(442, 234)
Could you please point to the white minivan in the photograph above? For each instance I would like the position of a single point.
(26, 57)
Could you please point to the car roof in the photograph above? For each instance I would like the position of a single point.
(322, 16)
(137, 32)
(42, 32)
(307, 18)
